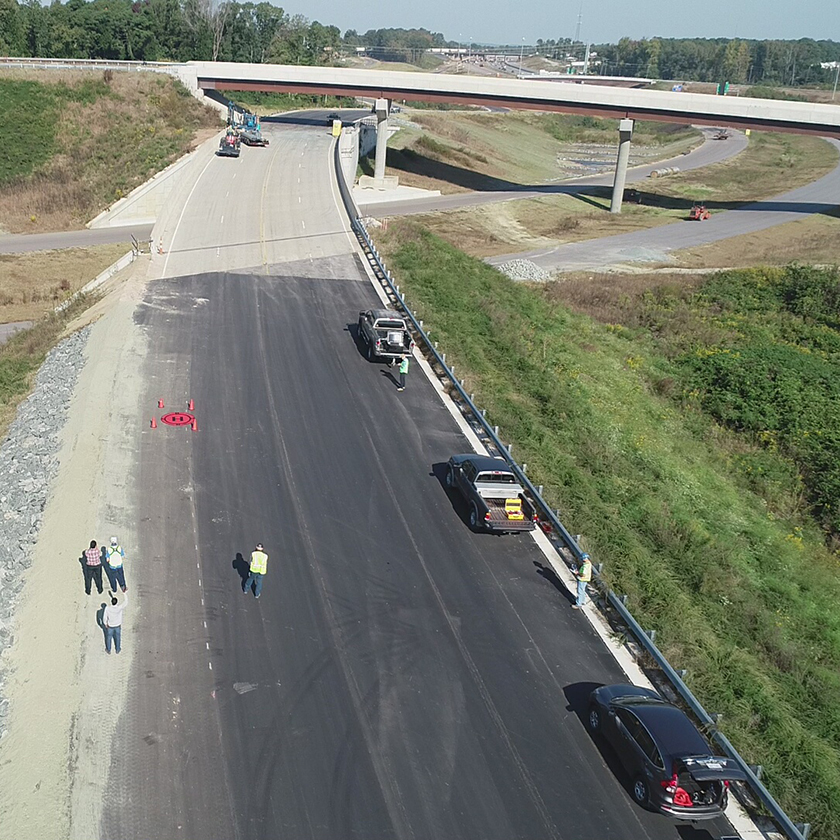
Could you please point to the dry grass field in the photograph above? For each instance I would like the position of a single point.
(89, 139)
(32, 285)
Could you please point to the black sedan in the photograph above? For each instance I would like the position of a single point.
(667, 758)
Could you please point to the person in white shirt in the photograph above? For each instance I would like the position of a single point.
(113, 619)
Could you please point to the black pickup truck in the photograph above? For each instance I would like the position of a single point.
(385, 334)
(496, 500)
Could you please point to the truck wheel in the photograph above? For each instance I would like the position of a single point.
(473, 518)
(450, 477)
(370, 353)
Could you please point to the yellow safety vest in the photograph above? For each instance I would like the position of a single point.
(258, 561)
(585, 571)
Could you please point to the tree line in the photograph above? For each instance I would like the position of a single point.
(738, 61)
(184, 30)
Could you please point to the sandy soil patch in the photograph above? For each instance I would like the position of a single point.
(65, 693)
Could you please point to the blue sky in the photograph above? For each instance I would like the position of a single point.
(503, 21)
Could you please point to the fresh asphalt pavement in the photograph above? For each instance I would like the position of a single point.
(400, 676)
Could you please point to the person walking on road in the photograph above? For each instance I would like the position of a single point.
(93, 567)
(403, 372)
(113, 619)
(114, 559)
(259, 559)
(583, 575)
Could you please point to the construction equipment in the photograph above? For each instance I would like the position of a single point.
(229, 144)
(252, 137)
(699, 213)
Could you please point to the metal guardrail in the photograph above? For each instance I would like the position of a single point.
(88, 64)
(793, 831)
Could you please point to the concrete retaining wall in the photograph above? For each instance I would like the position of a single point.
(143, 205)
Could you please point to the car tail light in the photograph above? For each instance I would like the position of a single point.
(487, 516)
(681, 797)
(378, 342)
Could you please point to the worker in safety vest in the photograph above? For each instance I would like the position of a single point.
(403, 372)
(114, 560)
(259, 559)
(583, 575)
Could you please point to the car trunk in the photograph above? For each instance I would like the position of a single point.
(703, 779)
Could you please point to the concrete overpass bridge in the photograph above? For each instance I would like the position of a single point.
(627, 105)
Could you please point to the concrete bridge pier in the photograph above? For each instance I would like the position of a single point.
(625, 132)
(381, 108)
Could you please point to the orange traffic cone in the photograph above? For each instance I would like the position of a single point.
(154, 423)
(160, 403)
(192, 406)
(195, 425)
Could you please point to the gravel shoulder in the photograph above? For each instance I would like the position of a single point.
(64, 695)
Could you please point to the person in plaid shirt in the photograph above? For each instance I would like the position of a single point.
(93, 567)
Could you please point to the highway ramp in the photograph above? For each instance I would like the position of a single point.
(654, 244)
(400, 677)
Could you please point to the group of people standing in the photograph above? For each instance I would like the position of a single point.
(111, 558)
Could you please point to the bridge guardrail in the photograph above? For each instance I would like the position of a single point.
(87, 63)
(793, 831)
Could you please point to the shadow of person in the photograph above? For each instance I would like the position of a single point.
(388, 375)
(100, 620)
(550, 575)
(242, 568)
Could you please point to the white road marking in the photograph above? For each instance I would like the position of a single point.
(208, 645)
(222, 220)
(199, 581)
(210, 665)
(181, 217)
(298, 199)
(205, 624)
(303, 223)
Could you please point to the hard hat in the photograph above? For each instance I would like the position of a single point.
(584, 556)
(113, 540)
(259, 546)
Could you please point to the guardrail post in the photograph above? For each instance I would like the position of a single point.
(804, 829)
(682, 673)
(651, 634)
(525, 469)
(599, 567)
(758, 769)
(452, 371)
(509, 448)
(443, 356)
(540, 489)
(496, 430)
(623, 599)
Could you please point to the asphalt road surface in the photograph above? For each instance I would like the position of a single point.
(653, 245)
(709, 152)
(400, 677)
(21, 243)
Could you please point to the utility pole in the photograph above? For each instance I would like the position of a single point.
(836, 76)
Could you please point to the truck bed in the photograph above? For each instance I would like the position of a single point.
(499, 519)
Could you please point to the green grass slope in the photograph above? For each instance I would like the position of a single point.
(701, 527)
(74, 142)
